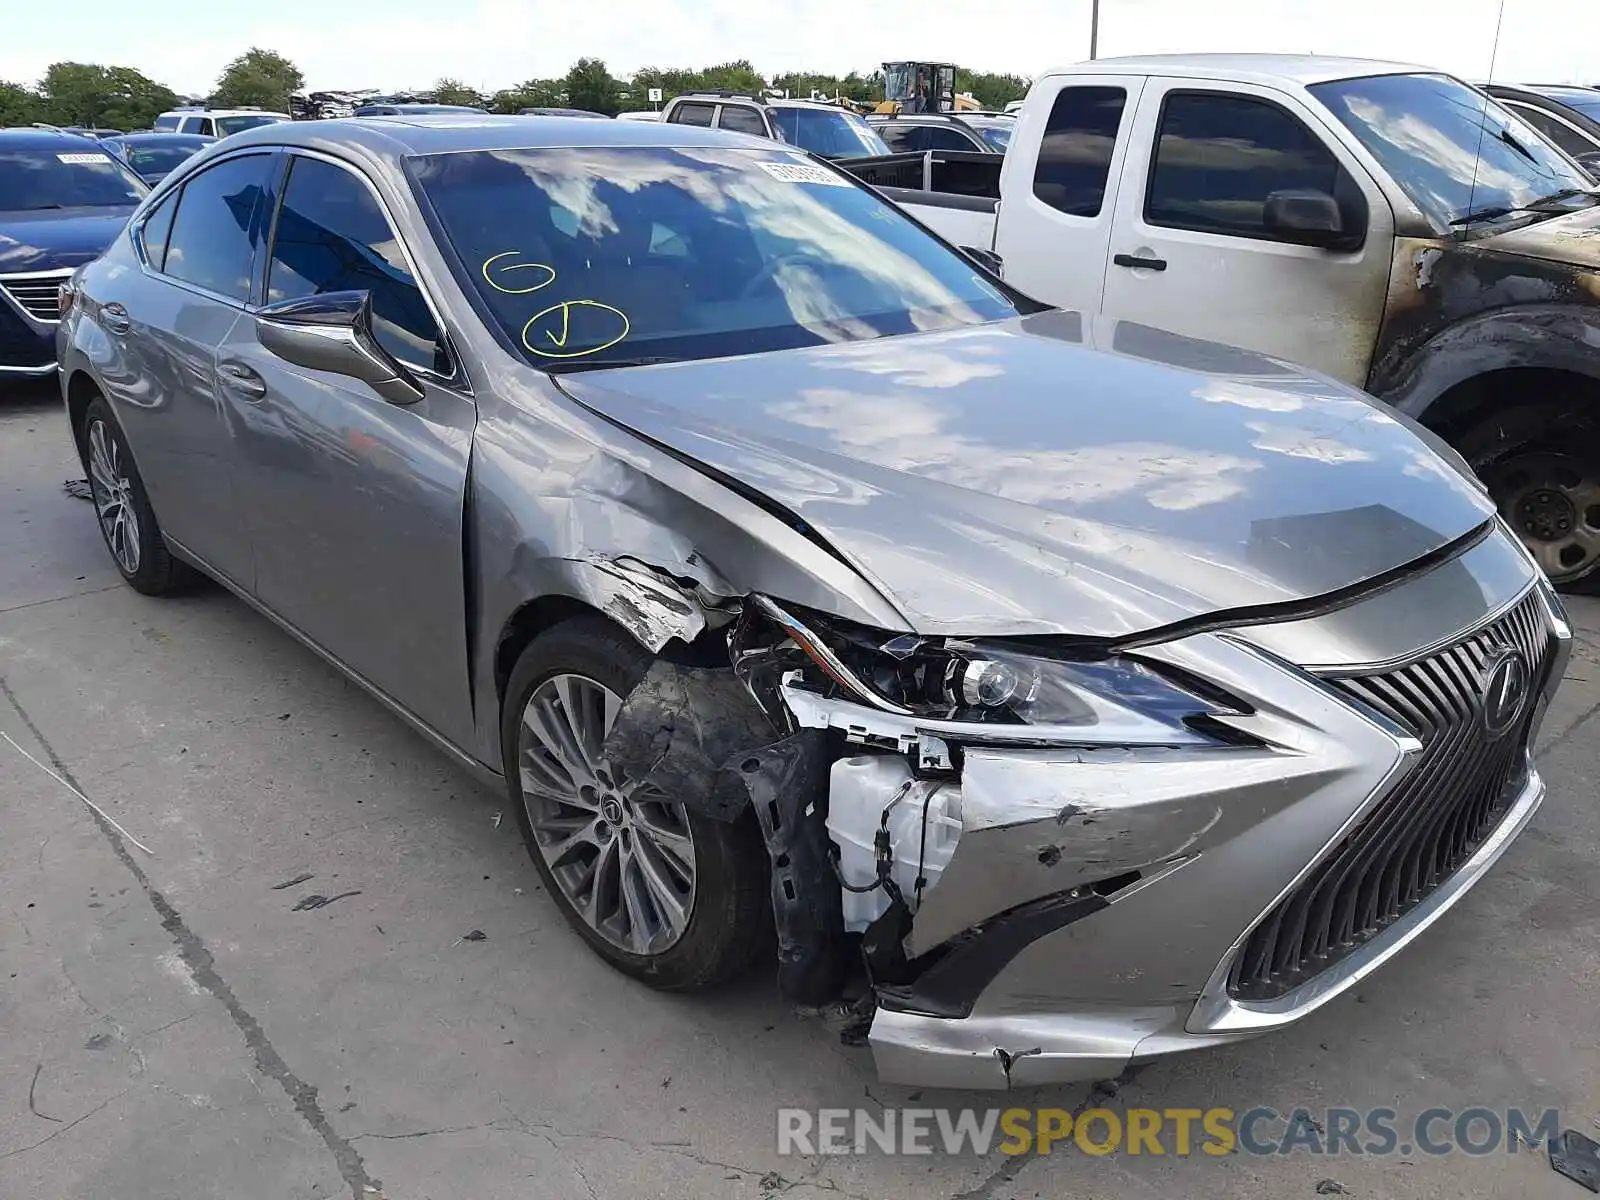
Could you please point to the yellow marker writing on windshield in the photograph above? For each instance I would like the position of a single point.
(550, 273)
(594, 318)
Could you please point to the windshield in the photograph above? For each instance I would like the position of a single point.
(589, 257)
(64, 178)
(996, 133)
(227, 125)
(832, 134)
(158, 159)
(1451, 148)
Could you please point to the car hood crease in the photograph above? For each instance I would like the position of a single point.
(1056, 475)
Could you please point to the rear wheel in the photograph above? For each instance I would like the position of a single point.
(659, 890)
(122, 507)
(1541, 463)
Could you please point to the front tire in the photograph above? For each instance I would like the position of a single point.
(122, 508)
(1541, 463)
(662, 892)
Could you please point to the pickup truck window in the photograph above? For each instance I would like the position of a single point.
(1075, 152)
(832, 133)
(693, 114)
(591, 257)
(742, 120)
(1453, 150)
(1219, 156)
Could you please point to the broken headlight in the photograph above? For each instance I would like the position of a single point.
(1115, 699)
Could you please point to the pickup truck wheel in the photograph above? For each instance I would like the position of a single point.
(1546, 486)
(122, 507)
(662, 892)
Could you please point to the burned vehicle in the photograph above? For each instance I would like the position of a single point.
(1101, 692)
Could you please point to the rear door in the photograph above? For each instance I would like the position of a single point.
(355, 505)
(1059, 188)
(1190, 253)
(199, 250)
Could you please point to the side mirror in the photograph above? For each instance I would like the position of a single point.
(333, 332)
(1308, 217)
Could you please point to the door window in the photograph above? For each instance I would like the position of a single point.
(1218, 157)
(901, 136)
(742, 120)
(947, 137)
(1075, 152)
(154, 231)
(219, 223)
(693, 114)
(332, 236)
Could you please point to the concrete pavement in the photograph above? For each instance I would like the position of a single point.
(179, 1025)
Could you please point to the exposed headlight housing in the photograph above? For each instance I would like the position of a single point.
(1116, 700)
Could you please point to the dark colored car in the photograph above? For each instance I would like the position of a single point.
(62, 199)
(906, 134)
(413, 110)
(1567, 116)
(153, 155)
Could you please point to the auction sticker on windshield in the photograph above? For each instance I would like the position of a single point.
(797, 172)
(83, 158)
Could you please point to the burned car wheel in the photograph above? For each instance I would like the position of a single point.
(659, 890)
(1546, 485)
(127, 522)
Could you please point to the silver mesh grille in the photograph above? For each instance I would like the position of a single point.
(1429, 823)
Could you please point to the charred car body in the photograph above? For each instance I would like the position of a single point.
(1105, 692)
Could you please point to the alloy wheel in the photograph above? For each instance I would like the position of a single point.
(621, 852)
(113, 496)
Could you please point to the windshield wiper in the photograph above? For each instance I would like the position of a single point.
(1544, 205)
(1506, 136)
(605, 364)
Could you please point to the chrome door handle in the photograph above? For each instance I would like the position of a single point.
(115, 318)
(239, 378)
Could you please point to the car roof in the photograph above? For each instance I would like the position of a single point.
(223, 112)
(1300, 69)
(404, 134)
(44, 139)
(163, 135)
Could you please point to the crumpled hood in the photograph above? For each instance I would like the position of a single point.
(1008, 478)
(52, 239)
(1572, 239)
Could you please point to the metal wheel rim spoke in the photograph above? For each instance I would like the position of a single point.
(622, 855)
(111, 490)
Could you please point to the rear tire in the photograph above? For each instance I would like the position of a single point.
(717, 869)
(122, 508)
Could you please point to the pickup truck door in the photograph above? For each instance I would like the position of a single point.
(1190, 253)
(1059, 187)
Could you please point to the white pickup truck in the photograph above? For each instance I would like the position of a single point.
(1386, 224)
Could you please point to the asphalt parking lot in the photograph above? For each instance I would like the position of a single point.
(179, 1024)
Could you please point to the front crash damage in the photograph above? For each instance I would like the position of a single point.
(931, 852)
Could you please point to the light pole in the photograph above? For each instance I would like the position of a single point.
(1094, 28)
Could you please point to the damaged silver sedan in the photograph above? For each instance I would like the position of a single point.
(1088, 692)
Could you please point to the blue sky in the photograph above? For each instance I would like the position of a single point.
(494, 43)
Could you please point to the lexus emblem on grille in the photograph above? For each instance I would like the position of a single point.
(1505, 690)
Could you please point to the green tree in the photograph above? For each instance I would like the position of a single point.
(738, 76)
(74, 93)
(590, 86)
(989, 89)
(259, 78)
(133, 100)
(19, 105)
(453, 91)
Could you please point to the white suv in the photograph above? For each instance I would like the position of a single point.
(824, 129)
(215, 122)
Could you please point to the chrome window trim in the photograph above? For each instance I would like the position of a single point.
(457, 379)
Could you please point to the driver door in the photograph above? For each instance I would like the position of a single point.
(1189, 251)
(354, 505)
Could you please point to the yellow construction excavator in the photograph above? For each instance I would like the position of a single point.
(922, 87)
